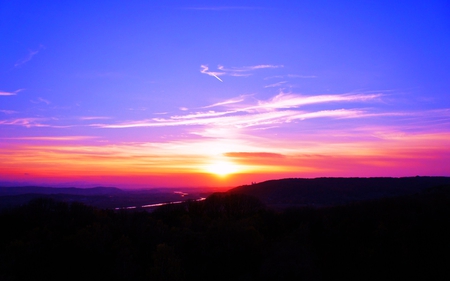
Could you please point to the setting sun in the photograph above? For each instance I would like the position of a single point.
(222, 168)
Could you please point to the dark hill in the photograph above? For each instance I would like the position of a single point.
(100, 197)
(321, 192)
(18, 190)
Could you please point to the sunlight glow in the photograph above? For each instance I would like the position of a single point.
(222, 168)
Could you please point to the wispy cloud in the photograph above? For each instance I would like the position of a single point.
(33, 122)
(25, 122)
(41, 100)
(7, 94)
(227, 102)
(44, 100)
(235, 71)
(254, 155)
(8, 111)
(283, 101)
(278, 84)
(205, 70)
(2, 93)
(283, 108)
(138, 109)
(29, 56)
(247, 68)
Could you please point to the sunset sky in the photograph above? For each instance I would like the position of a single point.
(222, 93)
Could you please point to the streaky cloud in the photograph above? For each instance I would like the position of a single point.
(284, 100)
(32, 122)
(30, 55)
(227, 102)
(41, 100)
(283, 108)
(202, 115)
(94, 118)
(7, 94)
(254, 155)
(337, 113)
(8, 111)
(217, 77)
(3, 93)
(248, 68)
(278, 84)
(235, 71)
(237, 120)
(25, 122)
(205, 70)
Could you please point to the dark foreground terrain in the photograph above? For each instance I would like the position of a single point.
(230, 236)
(275, 194)
(100, 197)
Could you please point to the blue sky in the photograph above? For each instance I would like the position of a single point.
(250, 76)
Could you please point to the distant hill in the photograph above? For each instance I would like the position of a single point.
(322, 192)
(100, 197)
(18, 190)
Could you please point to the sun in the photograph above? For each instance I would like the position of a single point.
(222, 168)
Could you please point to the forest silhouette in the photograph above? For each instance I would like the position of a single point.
(230, 236)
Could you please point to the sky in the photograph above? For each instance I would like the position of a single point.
(222, 93)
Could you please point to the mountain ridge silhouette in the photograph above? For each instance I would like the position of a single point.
(323, 192)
